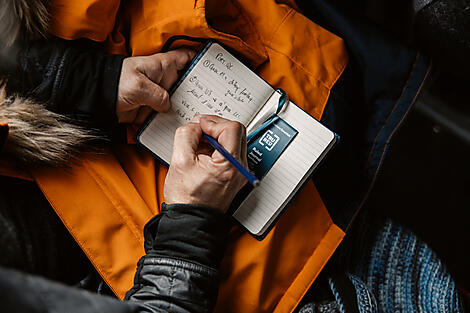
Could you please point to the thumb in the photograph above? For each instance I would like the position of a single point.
(228, 133)
(163, 68)
(186, 143)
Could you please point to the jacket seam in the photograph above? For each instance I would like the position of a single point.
(303, 68)
(394, 108)
(178, 263)
(290, 12)
(386, 146)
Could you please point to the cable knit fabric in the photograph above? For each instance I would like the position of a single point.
(404, 275)
(400, 273)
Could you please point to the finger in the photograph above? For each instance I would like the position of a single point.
(214, 118)
(186, 143)
(180, 57)
(173, 62)
(143, 114)
(152, 95)
(228, 133)
(196, 118)
(162, 68)
(127, 116)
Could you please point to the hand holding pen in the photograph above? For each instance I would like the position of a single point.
(200, 174)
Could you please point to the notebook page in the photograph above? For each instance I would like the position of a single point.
(286, 176)
(218, 84)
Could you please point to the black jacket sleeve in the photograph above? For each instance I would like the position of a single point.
(74, 78)
(184, 245)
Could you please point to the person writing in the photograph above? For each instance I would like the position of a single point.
(184, 244)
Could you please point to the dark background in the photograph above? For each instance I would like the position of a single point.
(425, 180)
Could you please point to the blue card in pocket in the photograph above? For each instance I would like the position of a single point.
(267, 147)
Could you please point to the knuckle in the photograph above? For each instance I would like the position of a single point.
(165, 63)
(185, 130)
(165, 97)
(235, 126)
(179, 160)
(158, 64)
(181, 131)
(229, 175)
(138, 84)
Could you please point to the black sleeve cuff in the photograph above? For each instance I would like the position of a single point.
(74, 78)
(188, 232)
(90, 86)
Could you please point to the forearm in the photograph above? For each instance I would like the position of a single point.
(179, 274)
(184, 246)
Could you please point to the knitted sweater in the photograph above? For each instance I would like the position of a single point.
(393, 271)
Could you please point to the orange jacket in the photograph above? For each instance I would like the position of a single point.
(106, 199)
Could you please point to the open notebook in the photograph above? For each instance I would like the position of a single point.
(284, 155)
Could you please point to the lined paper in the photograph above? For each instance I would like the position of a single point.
(293, 167)
(218, 84)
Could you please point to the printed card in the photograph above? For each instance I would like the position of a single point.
(268, 146)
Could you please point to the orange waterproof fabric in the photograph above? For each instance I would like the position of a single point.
(106, 200)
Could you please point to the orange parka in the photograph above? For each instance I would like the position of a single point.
(105, 200)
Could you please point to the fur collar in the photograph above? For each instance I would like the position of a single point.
(36, 136)
(23, 20)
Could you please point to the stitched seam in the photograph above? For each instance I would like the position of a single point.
(288, 14)
(394, 108)
(300, 66)
(126, 218)
(385, 147)
(296, 275)
(186, 265)
(81, 244)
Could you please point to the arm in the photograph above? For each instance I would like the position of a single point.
(77, 79)
(70, 78)
(184, 244)
(179, 273)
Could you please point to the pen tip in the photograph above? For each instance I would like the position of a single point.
(256, 183)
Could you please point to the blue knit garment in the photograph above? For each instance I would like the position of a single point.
(400, 274)
(405, 275)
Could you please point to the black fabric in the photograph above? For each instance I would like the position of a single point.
(202, 241)
(33, 238)
(441, 29)
(21, 293)
(179, 273)
(184, 246)
(365, 107)
(72, 78)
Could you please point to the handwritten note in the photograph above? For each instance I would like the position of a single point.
(288, 174)
(218, 84)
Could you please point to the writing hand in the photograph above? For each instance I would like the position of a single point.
(199, 174)
(144, 83)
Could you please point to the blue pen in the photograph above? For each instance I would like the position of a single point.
(245, 172)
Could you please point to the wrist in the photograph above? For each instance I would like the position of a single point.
(189, 232)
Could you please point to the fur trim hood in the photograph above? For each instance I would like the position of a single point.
(23, 20)
(35, 135)
(38, 137)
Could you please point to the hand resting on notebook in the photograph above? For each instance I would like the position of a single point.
(200, 175)
(144, 83)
